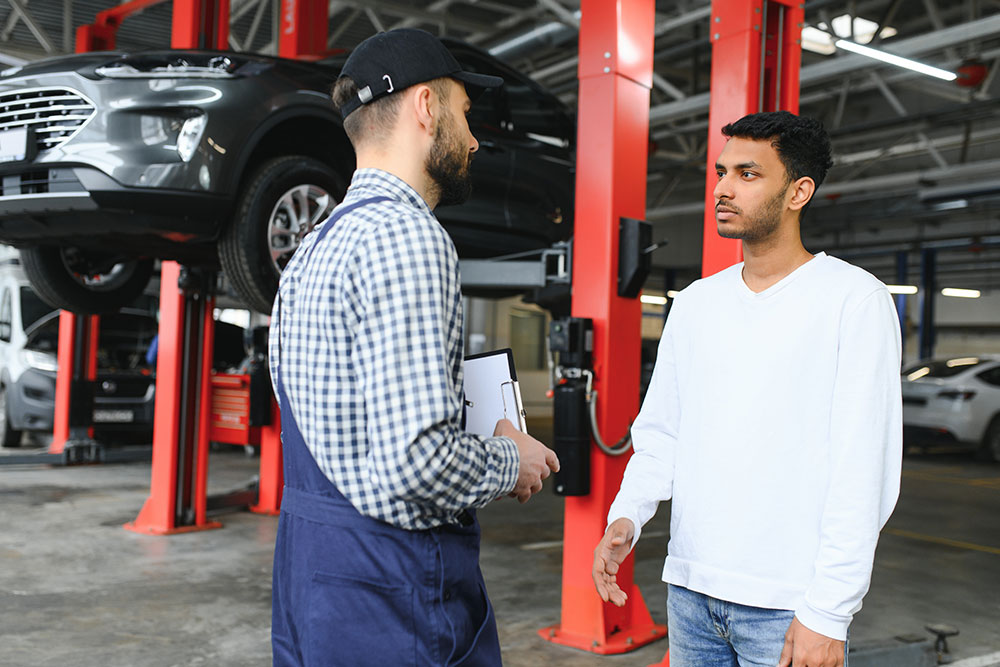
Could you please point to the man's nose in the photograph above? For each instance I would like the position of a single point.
(474, 146)
(722, 190)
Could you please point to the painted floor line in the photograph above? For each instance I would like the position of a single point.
(980, 661)
(971, 546)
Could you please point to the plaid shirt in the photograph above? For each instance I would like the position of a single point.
(370, 356)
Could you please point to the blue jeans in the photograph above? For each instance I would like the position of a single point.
(706, 632)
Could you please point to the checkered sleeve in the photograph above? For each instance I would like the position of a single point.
(408, 349)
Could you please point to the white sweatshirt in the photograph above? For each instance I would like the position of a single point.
(774, 422)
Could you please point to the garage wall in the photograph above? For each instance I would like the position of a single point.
(492, 324)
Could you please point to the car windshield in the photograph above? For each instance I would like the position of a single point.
(124, 340)
(944, 368)
(32, 308)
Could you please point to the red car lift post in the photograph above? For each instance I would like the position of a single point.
(77, 361)
(615, 71)
(304, 27)
(756, 58)
(752, 70)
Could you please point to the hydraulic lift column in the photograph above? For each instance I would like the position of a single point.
(616, 65)
(77, 355)
(756, 58)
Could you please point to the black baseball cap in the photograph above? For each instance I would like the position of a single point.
(392, 61)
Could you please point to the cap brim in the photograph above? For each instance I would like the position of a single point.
(477, 84)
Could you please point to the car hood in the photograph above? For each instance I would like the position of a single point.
(75, 62)
(86, 64)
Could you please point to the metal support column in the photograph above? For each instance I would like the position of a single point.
(928, 294)
(304, 27)
(902, 275)
(756, 58)
(615, 70)
(178, 488)
(200, 24)
(77, 359)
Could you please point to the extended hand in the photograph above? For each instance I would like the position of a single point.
(537, 461)
(805, 648)
(608, 556)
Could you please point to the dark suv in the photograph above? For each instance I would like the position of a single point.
(111, 160)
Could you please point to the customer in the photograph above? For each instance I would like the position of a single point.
(773, 422)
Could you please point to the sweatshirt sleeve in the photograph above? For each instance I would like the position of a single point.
(649, 475)
(865, 461)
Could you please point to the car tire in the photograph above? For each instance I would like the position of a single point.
(989, 450)
(270, 222)
(57, 285)
(9, 436)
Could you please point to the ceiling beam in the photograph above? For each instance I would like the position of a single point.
(833, 67)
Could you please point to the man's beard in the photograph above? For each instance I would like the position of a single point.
(448, 165)
(759, 225)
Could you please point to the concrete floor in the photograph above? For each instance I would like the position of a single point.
(77, 589)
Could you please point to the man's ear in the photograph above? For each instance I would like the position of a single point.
(802, 192)
(423, 106)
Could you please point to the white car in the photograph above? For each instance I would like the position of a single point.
(954, 401)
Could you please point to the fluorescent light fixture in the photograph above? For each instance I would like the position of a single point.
(963, 293)
(672, 294)
(898, 61)
(952, 205)
(902, 289)
(653, 300)
(820, 39)
(963, 361)
(919, 373)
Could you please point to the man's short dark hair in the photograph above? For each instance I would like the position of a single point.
(378, 117)
(802, 143)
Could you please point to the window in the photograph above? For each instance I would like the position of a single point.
(5, 316)
(32, 308)
(991, 376)
(527, 339)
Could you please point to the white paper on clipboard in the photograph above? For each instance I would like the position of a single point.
(492, 392)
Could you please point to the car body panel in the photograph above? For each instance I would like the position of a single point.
(930, 417)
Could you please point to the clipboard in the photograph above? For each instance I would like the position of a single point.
(492, 392)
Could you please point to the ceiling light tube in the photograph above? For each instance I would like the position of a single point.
(963, 293)
(653, 300)
(898, 61)
(902, 289)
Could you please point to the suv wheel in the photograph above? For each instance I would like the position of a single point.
(990, 448)
(284, 199)
(74, 280)
(9, 437)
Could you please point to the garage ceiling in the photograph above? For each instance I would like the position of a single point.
(917, 159)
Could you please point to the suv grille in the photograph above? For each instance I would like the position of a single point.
(55, 114)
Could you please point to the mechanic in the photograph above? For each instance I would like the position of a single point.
(774, 423)
(377, 553)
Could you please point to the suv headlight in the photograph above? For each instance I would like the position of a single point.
(172, 66)
(190, 136)
(40, 361)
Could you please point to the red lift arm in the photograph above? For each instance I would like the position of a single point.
(100, 35)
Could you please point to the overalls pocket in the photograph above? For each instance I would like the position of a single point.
(356, 622)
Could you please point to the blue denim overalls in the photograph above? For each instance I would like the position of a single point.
(352, 591)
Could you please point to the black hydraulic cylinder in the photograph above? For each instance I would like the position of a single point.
(571, 439)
